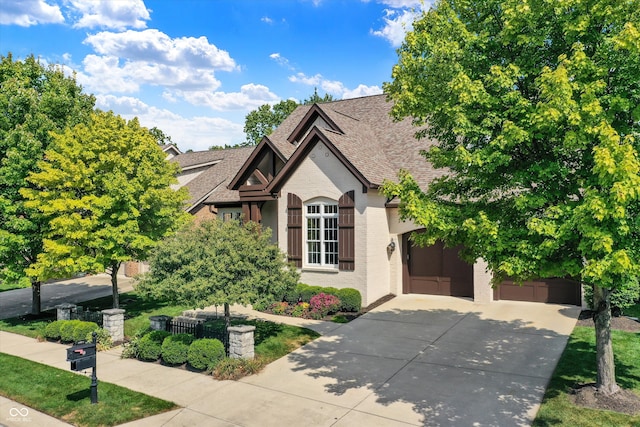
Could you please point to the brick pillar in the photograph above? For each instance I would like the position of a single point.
(159, 323)
(113, 321)
(241, 342)
(64, 310)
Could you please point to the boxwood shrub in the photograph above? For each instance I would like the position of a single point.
(175, 349)
(67, 328)
(84, 329)
(149, 347)
(52, 330)
(205, 353)
(351, 299)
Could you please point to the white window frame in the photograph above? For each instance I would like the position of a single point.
(327, 234)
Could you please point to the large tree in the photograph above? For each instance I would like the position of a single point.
(104, 190)
(34, 101)
(219, 263)
(535, 107)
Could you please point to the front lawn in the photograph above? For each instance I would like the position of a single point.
(578, 366)
(65, 395)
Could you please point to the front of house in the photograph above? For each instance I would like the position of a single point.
(315, 181)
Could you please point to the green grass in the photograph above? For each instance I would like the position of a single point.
(137, 312)
(65, 395)
(578, 366)
(4, 286)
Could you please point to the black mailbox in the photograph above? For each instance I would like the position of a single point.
(82, 356)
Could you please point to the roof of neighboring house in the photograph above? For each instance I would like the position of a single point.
(219, 167)
(171, 150)
(365, 136)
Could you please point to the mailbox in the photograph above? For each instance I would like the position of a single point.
(82, 356)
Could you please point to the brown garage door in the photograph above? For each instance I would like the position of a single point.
(436, 270)
(556, 291)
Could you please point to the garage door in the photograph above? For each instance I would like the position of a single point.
(436, 270)
(556, 291)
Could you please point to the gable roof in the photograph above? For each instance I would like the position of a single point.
(361, 133)
(220, 166)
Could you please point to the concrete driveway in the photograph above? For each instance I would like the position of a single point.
(416, 360)
(18, 301)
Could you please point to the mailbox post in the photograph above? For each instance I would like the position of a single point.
(83, 356)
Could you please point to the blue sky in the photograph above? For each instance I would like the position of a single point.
(195, 68)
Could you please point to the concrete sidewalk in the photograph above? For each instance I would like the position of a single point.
(416, 360)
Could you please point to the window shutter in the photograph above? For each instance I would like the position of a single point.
(294, 229)
(346, 231)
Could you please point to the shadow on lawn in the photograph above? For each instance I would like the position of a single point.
(453, 368)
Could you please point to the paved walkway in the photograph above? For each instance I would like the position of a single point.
(18, 301)
(415, 360)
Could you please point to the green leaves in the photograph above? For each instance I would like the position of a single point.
(104, 190)
(535, 109)
(217, 262)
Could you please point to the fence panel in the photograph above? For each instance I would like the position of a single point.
(87, 316)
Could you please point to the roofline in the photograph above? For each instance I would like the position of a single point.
(201, 165)
(314, 136)
(203, 198)
(246, 166)
(314, 110)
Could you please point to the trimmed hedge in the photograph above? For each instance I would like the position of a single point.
(67, 328)
(175, 348)
(52, 330)
(149, 347)
(205, 353)
(84, 329)
(351, 299)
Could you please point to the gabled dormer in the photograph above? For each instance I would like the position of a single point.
(314, 117)
(255, 174)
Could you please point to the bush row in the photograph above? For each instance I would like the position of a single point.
(177, 349)
(350, 299)
(77, 330)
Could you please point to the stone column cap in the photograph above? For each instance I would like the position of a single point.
(242, 328)
(160, 317)
(66, 305)
(113, 311)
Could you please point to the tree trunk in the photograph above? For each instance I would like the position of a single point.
(114, 284)
(35, 297)
(227, 323)
(606, 378)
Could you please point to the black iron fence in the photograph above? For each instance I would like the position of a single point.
(87, 315)
(196, 328)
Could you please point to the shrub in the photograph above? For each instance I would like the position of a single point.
(205, 353)
(149, 347)
(307, 292)
(351, 299)
(331, 290)
(323, 304)
(52, 330)
(233, 369)
(621, 298)
(83, 329)
(175, 349)
(279, 307)
(67, 328)
(103, 339)
(300, 310)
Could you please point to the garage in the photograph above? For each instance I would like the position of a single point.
(555, 291)
(435, 270)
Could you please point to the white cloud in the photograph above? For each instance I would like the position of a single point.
(115, 14)
(29, 12)
(152, 58)
(334, 87)
(362, 90)
(267, 20)
(396, 25)
(398, 4)
(196, 133)
(251, 96)
(281, 60)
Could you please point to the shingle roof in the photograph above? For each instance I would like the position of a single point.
(371, 141)
(213, 180)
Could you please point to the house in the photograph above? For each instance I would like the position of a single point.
(315, 181)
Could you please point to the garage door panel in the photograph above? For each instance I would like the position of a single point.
(556, 291)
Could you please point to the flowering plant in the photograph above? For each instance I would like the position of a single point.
(323, 304)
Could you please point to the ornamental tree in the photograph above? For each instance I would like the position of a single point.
(104, 190)
(219, 263)
(535, 110)
(34, 100)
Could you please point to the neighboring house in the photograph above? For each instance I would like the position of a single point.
(315, 181)
(171, 150)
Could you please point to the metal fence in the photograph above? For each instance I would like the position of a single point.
(197, 329)
(87, 315)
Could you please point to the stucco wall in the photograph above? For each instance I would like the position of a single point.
(378, 238)
(321, 174)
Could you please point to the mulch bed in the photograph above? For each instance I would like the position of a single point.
(624, 401)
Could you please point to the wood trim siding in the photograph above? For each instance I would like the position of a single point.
(346, 231)
(294, 229)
